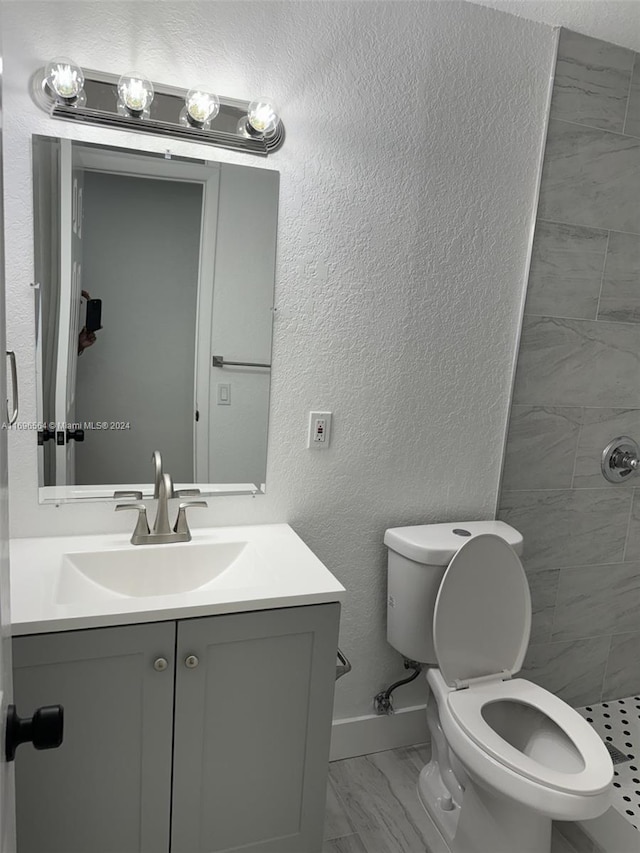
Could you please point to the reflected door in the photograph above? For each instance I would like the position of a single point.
(7, 795)
(71, 191)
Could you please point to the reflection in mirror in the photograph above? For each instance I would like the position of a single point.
(154, 307)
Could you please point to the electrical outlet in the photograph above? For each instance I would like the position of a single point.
(319, 430)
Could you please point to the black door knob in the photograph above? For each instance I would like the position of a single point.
(45, 434)
(75, 435)
(44, 729)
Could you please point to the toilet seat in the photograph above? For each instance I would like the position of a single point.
(482, 614)
(481, 627)
(466, 709)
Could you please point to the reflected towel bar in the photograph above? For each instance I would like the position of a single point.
(218, 361)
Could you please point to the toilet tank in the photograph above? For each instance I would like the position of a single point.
(417, 560)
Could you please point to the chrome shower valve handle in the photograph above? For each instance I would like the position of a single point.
(620, 458)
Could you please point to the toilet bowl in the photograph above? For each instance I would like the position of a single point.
(508, 757)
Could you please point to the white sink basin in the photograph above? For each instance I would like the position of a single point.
(144, 571)
(67, 583)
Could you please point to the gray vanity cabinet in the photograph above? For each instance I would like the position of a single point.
(108, 787)
(225, 748)
(254, 700)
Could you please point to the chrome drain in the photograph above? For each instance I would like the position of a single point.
(617, 757)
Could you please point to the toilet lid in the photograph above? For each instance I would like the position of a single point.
(482, 617)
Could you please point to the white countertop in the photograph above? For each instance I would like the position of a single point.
(284, 573)
(71, 494)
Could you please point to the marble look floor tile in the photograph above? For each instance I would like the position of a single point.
(541, 447)
(380, 794)
(420, 754)
(591, 83)
(572, 670)
(578, 363)
(620, 296)
(346, 844)
(591, 178)
(596, 601)
(599, 427)
(337, 822)
(632, 550)
(355, 843)
(569, 527)
(622, 675)
(543, 586)
(565, 274)
(632, 124)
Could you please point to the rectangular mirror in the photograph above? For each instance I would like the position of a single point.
(154, 311)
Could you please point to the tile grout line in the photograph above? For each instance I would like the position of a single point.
(606, 668)
(599, 129)
(599, 564)
(585, 319)
(603, 488)
(626, 110)
(604, 266)
(331, 841)
(555, 608)
(587, 228)
(548, 407)
(626, 538)
(575, 455)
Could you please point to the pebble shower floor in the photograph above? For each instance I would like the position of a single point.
(618, 724)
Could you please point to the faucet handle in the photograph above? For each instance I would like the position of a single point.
(185, 493)
(142, 525)
(137, 496)
(181, 525)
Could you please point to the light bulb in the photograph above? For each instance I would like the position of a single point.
(64, 78)
(202, 105)
(135, 92)
(262, 115)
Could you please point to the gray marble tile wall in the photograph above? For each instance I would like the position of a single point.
(578, 383)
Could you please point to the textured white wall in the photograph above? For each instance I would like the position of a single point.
(406, 199)
(617, 21)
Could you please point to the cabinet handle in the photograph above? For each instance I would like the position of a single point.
(191, 661)
(160, 664)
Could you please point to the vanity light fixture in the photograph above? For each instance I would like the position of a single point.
(132, 102)
(201, 106)
(64, 80)
(263, 116)
(135, 94)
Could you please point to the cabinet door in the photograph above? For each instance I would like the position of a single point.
(107, 788)
(252, 730)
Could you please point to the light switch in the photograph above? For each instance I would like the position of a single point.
(224, 394)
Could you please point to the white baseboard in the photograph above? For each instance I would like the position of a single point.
(362, 735)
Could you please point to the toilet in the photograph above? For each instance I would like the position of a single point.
(507, 756)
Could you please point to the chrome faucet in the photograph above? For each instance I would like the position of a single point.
(161, 526)
(162, 531)
(158, 471)
(156, 458)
